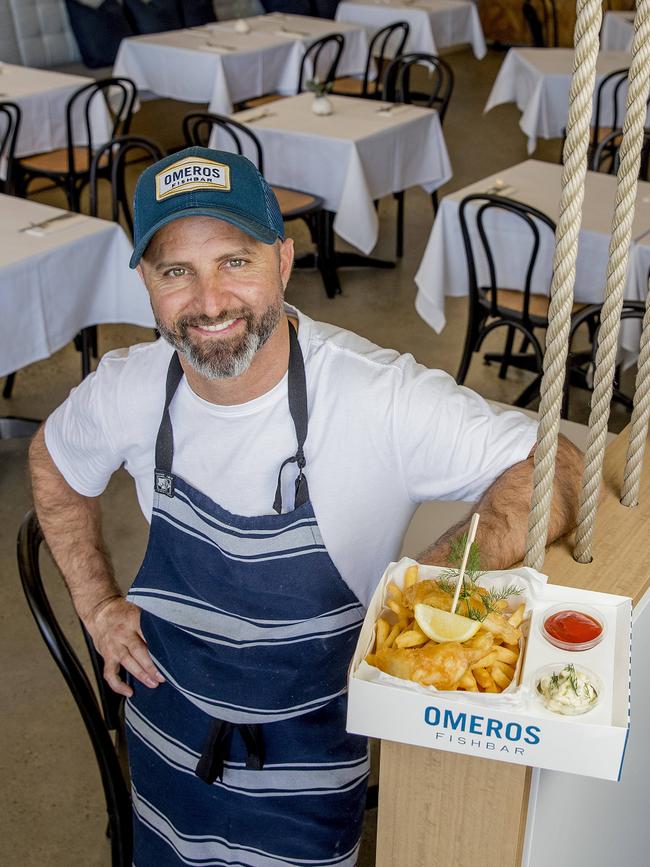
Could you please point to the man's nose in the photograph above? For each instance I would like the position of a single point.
(214, 294)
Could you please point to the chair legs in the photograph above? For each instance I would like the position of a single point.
(9, 385)
(471, 340)
(507, 353)
(326, 256)
(434, 202)
(399, 242)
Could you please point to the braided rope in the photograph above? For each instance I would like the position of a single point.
(589, 15)
(610, 317)
(640, 418)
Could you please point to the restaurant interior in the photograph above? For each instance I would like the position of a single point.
(373, 154)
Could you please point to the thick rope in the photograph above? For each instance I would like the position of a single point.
(589, 15)
(640, 418)
(610, 317)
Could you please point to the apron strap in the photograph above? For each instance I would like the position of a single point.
(163, 478)
(216, 749)
(297, 387)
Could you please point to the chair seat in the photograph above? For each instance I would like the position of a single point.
(295, 203)
(56, 162)
(348, 86)
(262, 100)
(511, 299)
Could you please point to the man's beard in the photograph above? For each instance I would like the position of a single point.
(223, 358)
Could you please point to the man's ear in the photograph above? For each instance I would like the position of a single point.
(286, 261)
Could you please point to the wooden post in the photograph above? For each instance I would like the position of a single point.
(441, 809)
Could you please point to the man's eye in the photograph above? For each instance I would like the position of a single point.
(176, 272)
(235, 263)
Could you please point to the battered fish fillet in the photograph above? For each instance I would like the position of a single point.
(429, 593)
(439, 665)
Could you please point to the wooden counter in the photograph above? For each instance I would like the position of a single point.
(439, 809)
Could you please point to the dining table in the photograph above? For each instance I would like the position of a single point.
(617, 32)
(60, 273)
(538, 80)
(442, 271)
(222, 64)
(434, 24)
(42, 96)
(363, 150)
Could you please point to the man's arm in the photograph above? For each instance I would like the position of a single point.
(502, 531)
(71, 524)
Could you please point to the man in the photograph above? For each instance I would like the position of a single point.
(279, 461)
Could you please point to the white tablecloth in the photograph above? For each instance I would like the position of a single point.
(75, 275)
(42, 96)
(218, 65)
(351, 157)
(618, 31)
(434, 24)
(443, 269)
(538, 81)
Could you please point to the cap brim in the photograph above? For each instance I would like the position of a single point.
(251, 227)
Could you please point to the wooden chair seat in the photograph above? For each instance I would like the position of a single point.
(262, 100)
(511, 299)
(293, 203)
(56, 162)
(348, 86)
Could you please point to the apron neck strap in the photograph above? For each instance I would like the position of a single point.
(297, 389)
(163, 478)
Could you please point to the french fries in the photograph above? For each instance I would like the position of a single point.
(486, 662)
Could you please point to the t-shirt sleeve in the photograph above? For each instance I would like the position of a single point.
(452, 443)
(80, 435)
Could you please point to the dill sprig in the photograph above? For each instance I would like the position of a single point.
(448, 580)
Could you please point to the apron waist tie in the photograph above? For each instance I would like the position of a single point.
(216, 749)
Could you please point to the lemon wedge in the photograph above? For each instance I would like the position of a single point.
(444, 626)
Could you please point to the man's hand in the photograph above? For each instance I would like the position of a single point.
(115, 631)
(71, 524)
(504, 507)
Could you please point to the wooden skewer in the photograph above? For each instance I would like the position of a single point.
(471, 535)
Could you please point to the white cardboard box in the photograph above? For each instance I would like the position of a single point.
(514, 726)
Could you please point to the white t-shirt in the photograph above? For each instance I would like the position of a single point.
(385, 434)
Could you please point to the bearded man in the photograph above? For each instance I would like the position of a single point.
(279, 461)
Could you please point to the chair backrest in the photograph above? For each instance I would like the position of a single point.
(118, 97)
(608, 94)
(323, 56)
(390, 41)
(439, 82)
(97, 724)
(198, 126)
(542, 20)
(112, 154)
(482, 205)
(10, 117)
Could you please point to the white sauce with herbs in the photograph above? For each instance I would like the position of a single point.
(567, 691)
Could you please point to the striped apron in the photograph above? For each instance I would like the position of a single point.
(241, 757)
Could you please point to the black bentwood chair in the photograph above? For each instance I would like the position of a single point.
(581, 365)
(394, 35)
(601, 140)
(69, 167)
(10, 117)
(100, 718)
(405, 81)
(323, 56)
(492, 307)
(294, 204)
(542, 20)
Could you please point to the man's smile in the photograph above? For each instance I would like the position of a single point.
(219, 328)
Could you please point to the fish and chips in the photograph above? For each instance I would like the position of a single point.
(475, 649)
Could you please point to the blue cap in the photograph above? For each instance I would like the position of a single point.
(201, 182)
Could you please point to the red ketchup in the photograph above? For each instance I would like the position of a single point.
(572, 627)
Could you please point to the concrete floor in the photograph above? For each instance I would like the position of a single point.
(53, 809)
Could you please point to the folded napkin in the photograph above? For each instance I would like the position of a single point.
(218, 49)
(54, 225)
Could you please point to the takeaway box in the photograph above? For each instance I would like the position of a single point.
(515, 725)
